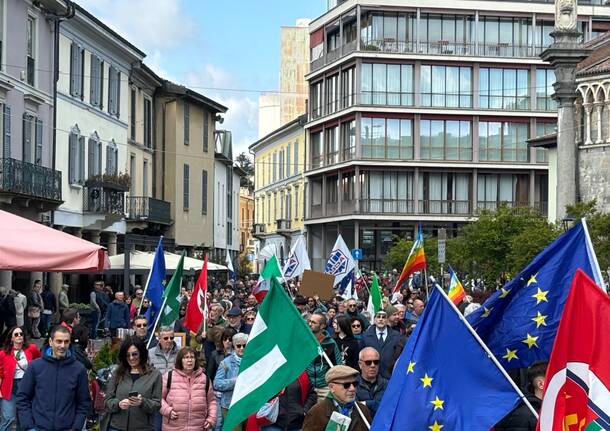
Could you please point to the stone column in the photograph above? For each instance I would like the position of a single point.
(112, 243)
(577, 116)
(588, 109)
(6, 279)
(564, 54)
(599, 107)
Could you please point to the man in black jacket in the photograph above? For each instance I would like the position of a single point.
(383, 339)
(521, 418)
(371, 385)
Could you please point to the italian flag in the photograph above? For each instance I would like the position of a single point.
(374, 304)
(279, 348)
(577, 395)
(415, 262)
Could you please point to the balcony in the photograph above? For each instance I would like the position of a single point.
(258, 230)
(282, 226)
(104, 198)
(452, 207)
(387, 206)
(34, 182)
(147, 209)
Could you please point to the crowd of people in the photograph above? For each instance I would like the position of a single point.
(172, 383)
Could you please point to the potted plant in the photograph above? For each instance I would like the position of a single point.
(120, 181)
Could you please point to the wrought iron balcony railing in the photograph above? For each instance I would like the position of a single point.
(28, 179)
(103, 200)
(143, 208)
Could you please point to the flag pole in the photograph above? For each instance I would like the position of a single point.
(489, 353)
(366, 422)
(157, 318)
(147, 279)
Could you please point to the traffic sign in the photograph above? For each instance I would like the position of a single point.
(357, 253)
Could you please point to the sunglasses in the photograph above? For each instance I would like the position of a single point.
(133, 354)
(352, 306)
(356, 326)
(17, 334)
(168, 338)
(346, 385)
(249, 319)
(141, 325)
(371, 362)
(240, 346)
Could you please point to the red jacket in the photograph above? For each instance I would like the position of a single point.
(8, 365)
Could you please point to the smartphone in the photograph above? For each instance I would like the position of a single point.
(134, 394)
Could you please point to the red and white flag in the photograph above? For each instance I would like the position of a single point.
(197, 308)
(577, 386)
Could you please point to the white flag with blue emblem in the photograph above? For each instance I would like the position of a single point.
(340, 262)
(297, 261)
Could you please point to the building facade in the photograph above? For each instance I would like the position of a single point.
(246, 217)
(30, 183)
(279, 189)
(226, 200)
(94, 66)
(184, 173)
(421, 112)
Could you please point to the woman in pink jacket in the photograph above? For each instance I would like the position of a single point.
(188, 402)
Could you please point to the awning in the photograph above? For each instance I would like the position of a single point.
(144, 260)
(29, 246)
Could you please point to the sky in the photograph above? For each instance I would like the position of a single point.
(226, 50)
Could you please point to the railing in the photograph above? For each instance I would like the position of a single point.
(282, 225)
(383, 206)
(144, 208)
(507, 50)
(29, 179)
(445, 47)
(103, 200)
(494, 205)
(388, 45)
(316, 211)
(444, 207)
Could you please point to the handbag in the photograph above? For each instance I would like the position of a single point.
(34, 312)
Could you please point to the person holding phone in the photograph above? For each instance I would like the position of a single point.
(134, 391)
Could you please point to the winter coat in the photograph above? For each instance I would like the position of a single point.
(371, 393)
(521, 418)
(213, 363)
(81, 355)
(135, 418)
(117, 315)
(349, 349)
(8, 314)
(8, 364)
(224, 382)
(386, 350)
(317, 369)
(53, 394)
(188, 398)
(291, 410)
(318, 416)
(160, 361)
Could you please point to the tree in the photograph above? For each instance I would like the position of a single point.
(599, 229)
(244, 162)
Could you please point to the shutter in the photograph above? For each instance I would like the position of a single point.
(111, 78)
(73, 69)
(81, 80)
(91, 158)
(38, 150)
(206, 131)
(81, 159)
(204, 192)
(94, 81)
(118, 94)
(109, 160)
(186, 123)
(6, 139)
(27, 139)
(98, 157)
(72, 157)
(101, 86)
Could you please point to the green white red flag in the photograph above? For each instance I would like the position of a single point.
(577, 394)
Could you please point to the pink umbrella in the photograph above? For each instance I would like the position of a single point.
(29, 246)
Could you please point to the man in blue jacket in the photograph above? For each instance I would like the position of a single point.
(54, 394)
(383, 339)
(117, 314)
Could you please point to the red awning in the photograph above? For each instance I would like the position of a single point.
(29, 246)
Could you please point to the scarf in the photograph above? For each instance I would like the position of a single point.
(344, 409)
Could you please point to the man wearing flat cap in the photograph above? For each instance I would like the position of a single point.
(342, 381)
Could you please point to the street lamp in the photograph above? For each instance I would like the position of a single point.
(566, 222)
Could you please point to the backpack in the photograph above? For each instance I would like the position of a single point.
(168, 385)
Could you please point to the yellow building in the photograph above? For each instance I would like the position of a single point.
(246, 212)
(278, 188)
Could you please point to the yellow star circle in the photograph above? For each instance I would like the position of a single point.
(540, 320)
(540, 296)
(530, 341)
(486, 311)
(532, 279)
(504, 292)
(438, 403)
(510, 355)
(436, 426)
(427, 380)
(411, 367)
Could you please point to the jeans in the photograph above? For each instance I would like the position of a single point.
(157, 421)
(45, 323)
(95, 319)
(9, 412)
(219, 418)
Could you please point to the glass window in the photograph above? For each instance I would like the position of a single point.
(445, 140)
(504, 88)
(366, 84)
(316, 150)
(348, 140)
(386, 138)
(390, 84)
(378, 127)
(444, 86)
(541, 130)
(332, 146)
(545, 78)
(503, 141)
(406, 139)
(393, 138)
(379, 84)
(505, 37)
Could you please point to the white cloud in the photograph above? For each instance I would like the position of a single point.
(151, 25)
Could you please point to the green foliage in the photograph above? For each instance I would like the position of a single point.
(498, 243)
(106, 356)
(599, 229)
(244, 162)
(244, 266)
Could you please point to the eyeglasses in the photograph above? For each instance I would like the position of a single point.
(371, 362)
(133, 354)
(140, 325)
(240, 346)
(346, 385)
(352, 305)
(356, 326)
(249, 319)
(168, 338)
(17, 334)
(139, 293)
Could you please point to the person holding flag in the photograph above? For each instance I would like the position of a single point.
(416, 261)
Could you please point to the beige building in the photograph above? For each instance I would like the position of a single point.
(246, 209)
(185, 125)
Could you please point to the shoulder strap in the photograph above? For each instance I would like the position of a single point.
(207, 384)
(168, 385)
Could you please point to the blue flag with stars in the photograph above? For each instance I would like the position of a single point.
(518, 323)
(444, 380)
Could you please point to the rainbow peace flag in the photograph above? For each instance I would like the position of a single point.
(415, 262)
(456, 290)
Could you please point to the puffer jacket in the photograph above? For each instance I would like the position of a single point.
(226, 375)
(160, 361)
(188, 398)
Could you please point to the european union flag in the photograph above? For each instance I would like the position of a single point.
(519, 322)
(444, 380)
(155, 286)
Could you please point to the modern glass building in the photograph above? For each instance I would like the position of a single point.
(420, 111)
